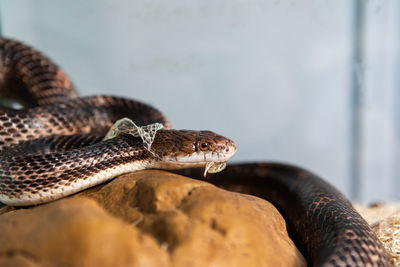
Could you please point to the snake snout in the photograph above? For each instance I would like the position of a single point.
(214, 147)
(225, 149)
(230, 146)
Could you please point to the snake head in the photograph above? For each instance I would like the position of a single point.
(178, 149)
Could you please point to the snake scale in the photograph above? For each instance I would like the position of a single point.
(55, 146)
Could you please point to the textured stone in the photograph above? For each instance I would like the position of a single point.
(148, 218)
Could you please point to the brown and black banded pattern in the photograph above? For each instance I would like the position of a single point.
(38, 154)
(26, 70)
(42, 172)
(93, 114)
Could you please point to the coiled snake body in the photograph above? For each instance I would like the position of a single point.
(54, 147)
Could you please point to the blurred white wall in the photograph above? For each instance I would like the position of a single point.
(275, 76)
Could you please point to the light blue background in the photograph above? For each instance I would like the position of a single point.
(275, 76)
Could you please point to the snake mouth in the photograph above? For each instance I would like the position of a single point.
(202, 157)
(209, 166)
(211, 160)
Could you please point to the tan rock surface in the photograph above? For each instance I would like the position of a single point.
(149, 218)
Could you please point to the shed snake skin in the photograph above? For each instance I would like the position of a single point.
(55, 146)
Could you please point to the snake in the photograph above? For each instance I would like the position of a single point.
(53, 145)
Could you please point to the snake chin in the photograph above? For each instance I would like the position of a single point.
(197, 159)
(204, 157)
(212, 161)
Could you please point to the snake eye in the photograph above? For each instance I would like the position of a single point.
(203, 145)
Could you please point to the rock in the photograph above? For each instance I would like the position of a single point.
(148, 218)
